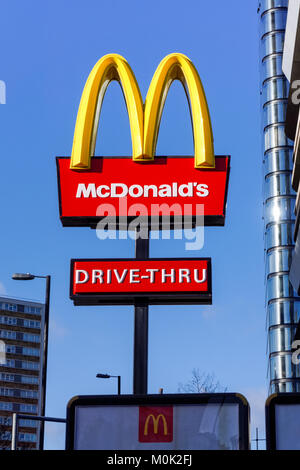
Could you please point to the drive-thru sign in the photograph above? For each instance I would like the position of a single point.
(123, 281)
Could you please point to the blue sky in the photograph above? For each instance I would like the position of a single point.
(47, 51)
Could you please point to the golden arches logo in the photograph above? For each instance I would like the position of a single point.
(144, 118)
(155, 424)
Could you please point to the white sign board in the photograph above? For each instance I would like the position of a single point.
(158, 422)
(283, 421)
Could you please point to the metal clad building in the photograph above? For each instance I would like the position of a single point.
(282, 303)
(291, 68)
(21, 336)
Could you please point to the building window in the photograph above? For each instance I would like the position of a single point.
(5, 420)
(18, 364)
(6, 334)
(28, 408)
(32, 338)
(27, 437)
(22, 436)
(28, 423)
(7, 377)
(29, 309)
(26, 379)
(11, 392)
(12, 349)
(10, 307)
(20, 308)
(6, 406)
(20, 322)
(32, 324)
(24, 407)
(5, 436)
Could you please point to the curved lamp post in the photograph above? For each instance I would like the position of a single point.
(29, 277)
(107, 376)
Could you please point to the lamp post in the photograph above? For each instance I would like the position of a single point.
(29, 277)
(107, 376)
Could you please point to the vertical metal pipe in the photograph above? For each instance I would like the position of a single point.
(45, 360)
(282, 303)
(14, 432)
(140, 366)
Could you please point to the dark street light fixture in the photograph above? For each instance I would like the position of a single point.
(23, 277)
(107, 376)
(29, 277)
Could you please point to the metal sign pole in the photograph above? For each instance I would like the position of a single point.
(45, 360)
(15, 426)
(14, 432)
(140, 360)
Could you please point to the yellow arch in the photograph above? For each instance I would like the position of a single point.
(155, 424)
(179, 67)
(144, 121)
(109, 67)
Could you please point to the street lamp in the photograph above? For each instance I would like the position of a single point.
(29, 277)
(107, 376)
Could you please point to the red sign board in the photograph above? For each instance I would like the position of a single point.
(123, 189)
(155, 280)
(155, 423)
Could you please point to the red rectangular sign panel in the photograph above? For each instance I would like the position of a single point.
(125, 281)
(155, 423)
(122, 188)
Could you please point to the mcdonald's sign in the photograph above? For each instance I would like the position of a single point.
(156, 424)
(91, 188)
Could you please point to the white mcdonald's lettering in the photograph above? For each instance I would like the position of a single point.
(136, 276)
(117, 190)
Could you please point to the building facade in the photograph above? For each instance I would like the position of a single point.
(282, 302)
(291, 69)
(21, 337)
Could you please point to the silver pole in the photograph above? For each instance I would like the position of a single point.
(14, 432)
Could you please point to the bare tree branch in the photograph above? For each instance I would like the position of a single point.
(201, 382)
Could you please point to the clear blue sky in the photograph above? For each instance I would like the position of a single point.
(47, 51)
